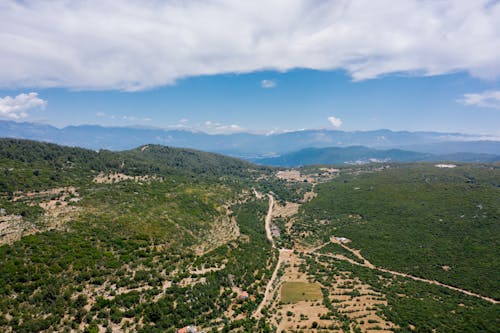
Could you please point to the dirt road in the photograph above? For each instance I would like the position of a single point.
(368, 264)
(272, 285)
(269, 218)
(284, 254)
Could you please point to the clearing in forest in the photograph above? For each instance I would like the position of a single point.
(292, 292)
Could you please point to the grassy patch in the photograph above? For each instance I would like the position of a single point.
(293, 292)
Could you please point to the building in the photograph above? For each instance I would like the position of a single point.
(342, 239)
(243, 296)
(187, 329)
(275, 231)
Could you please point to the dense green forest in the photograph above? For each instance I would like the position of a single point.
(30, 165)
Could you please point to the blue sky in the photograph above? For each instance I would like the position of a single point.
(413, 65)
(300, 99)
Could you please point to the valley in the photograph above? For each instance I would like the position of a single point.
(156, 239)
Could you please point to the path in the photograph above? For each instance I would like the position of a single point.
(269, 218)
(368, 264)
(268, 294)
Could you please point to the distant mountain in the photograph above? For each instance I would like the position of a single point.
(453, 147)
(246, 145)
(362, 155)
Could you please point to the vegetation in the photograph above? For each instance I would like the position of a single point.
(436, 223)
(180, 236)
(412, 303)
(128, 240)
(28, 165)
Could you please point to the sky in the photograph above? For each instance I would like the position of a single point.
(261, 66)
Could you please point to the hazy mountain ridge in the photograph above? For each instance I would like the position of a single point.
(363, 155)
(246, 145)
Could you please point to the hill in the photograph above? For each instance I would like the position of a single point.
(338, 155)
(31, 165)
(363, 155)
(109, 232)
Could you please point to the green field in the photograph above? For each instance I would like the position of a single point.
(293, 292)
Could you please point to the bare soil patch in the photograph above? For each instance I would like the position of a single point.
(58, 210)
(13, 227)
(293, 176)
(300, 312)
(111, 178)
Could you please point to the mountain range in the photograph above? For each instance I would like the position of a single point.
(256, 147)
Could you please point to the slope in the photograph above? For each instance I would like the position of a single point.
(363, 155)
(434, 223)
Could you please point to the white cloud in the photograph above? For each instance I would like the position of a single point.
(133, 45)
(125, 118)
(486, 99)
(19, 106)
(336, 122)
(218, 128)
(135, 119)
(268, 84)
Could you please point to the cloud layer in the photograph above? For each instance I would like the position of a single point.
(18, 107)
(486, 99)
(133, 45)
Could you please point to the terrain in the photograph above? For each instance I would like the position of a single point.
(251, 146)
(157, 238)
(364, 155)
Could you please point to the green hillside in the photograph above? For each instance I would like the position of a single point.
(123, 240)
(30, 165)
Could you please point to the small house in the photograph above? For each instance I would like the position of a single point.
(187, 329)
(243, 296)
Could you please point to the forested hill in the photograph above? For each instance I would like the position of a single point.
(35, 165)
(363, 155)
(122, 241)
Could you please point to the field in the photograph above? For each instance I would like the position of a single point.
(292, 292)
